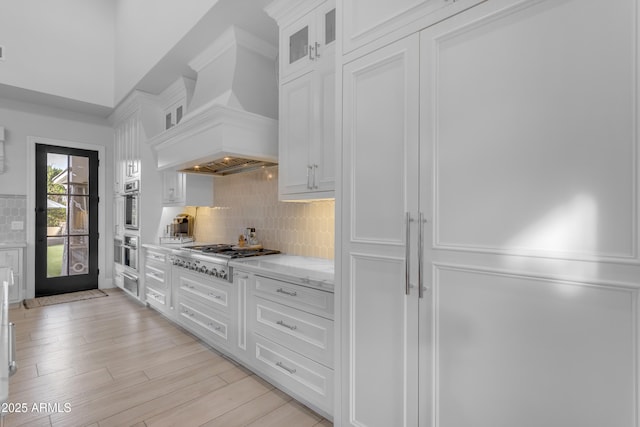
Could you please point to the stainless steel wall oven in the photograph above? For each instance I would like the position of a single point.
(131, 205)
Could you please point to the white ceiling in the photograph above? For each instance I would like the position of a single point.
(247, 14)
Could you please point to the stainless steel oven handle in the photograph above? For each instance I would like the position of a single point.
(407, 254)
(420, 255)
(13, 365)
(129, 276)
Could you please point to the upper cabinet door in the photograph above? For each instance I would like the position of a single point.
(367, 20)
(297, 40)
(308, 41)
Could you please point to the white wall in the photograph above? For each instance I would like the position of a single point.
(21, 120)
(62, 47)
(145, 32)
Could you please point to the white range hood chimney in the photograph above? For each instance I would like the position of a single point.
(231, 123)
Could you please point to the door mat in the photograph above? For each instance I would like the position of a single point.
(62, 298)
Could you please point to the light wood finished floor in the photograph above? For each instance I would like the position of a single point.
(117, 363)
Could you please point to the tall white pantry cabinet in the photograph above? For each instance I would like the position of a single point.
(489, 222)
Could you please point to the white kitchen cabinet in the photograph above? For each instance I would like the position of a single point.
(309, 39)
(206, 307)
(291, 338)
(127, 143)
(477, 290)
(388, 20)
(157, 281)
(382, 384)
(183, 189)
(118, 216)
(13, 258)
(242, 281)
(307, 101)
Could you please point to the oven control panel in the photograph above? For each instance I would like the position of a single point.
(202, 267)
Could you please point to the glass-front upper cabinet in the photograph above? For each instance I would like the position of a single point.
(308, 40)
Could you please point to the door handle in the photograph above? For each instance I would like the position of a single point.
(13, 365)
(407, 253)
(421, 221)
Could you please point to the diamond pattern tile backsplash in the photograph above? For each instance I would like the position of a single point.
(12, 208)
(251, 200)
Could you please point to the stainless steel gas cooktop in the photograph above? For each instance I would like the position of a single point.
(213, 260)
(229, 251)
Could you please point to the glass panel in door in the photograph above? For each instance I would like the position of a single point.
(298, 44)
(330, 27)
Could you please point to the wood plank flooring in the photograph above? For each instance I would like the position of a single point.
(112, 362)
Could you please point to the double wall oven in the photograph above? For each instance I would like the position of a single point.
(126, 249)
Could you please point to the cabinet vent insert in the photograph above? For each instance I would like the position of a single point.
(228, 166)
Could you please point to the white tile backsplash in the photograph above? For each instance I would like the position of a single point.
(12, 208)
(251, 200)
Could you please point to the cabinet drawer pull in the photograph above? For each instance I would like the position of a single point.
(291, 294)
(281, 323)
(214, 295)
(290, 370)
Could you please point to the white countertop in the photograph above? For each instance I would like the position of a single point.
(313, 272)
(316, 272)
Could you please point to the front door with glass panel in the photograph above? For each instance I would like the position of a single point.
(66, 253)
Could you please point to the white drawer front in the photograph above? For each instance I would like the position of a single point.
(214, 295)
(303, 377)
(206, 324)
(151, 272)
(305, 333)
(155, 256)
(155, 296)
(152, 282)
(312, 300)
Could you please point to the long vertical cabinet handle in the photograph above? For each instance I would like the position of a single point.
(309, 168)
(315, 179)
(13, 365)
(420, 254)
(407, 255)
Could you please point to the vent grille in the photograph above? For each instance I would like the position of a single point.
(228, 166)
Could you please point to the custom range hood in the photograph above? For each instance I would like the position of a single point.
(231, 124)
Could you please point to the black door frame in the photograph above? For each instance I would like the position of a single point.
(67, 283)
